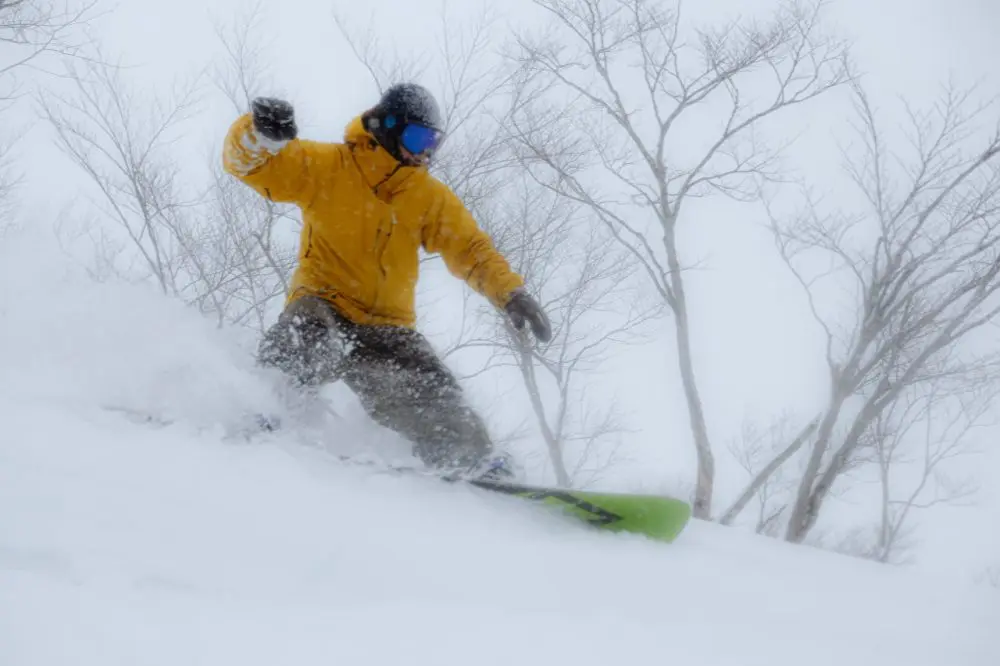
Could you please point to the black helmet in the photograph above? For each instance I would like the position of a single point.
(408, 116)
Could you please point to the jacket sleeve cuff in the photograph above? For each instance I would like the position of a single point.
(503, 298)
(249, 150)
(269, 145)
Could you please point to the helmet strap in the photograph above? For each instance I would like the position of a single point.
(387, 132)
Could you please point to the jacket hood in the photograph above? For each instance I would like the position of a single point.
(355, 131)
(384, 174)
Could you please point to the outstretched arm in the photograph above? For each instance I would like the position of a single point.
(470, 255)
(467, 250)
(262, 150)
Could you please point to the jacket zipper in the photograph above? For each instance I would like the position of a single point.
(380, 249)
(379, 252)
(385, 246)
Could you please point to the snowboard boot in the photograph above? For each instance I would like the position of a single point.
(497, 468)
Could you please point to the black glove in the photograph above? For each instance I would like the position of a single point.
(274, 118)
(522, 307)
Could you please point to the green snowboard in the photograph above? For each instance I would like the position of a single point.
(656, 517)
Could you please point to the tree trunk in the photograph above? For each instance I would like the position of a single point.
(552, 442)
(705, 485)
(702, 505)
(767, 472)
(820, 489)
(885, 529)
(798, 522)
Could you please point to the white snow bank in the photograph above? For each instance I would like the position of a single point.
(64, 338)
(127, 544)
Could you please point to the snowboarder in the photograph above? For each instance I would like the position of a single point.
(368, 205)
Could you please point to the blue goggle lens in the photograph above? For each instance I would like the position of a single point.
(419, 138)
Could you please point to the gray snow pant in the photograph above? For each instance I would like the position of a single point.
(401, 382)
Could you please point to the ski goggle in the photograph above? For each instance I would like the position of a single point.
(420, 138)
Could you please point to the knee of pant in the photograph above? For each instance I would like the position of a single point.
(428, 387)
(272, 350)
(283, 353)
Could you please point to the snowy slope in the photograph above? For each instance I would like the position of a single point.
(122, 543)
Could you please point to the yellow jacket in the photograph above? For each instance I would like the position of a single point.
(364, 219)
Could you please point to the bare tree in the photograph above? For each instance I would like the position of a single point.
(248, 225)
(384, 65)
(912, 446)
(215, 247)
(595, 306)
(921, 433)
(922, 264)
(30, 31)
(238, 236)
(625, 155)
(762, 453)
(122, 144)
(33, 29)
(9, 181)
(242, 71)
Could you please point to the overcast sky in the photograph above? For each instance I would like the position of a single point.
(755, 353)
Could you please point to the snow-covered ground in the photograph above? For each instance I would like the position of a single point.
(126, 544)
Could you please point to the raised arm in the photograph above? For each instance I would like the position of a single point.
(263, 151)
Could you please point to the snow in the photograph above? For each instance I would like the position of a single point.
(129, 543)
